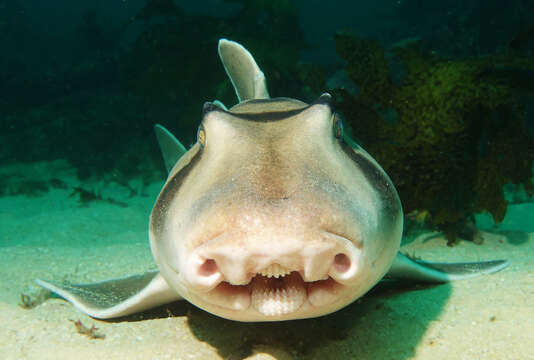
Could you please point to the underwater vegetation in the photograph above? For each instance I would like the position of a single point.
(90, 332)
(30, 301)
(31, 180)
(449, 132)
(86, 196)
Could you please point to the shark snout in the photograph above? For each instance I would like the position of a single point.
(238, 262)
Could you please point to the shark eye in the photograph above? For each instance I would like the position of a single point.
(201, 135)
(338, 126)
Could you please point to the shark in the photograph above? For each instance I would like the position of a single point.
(273, 214)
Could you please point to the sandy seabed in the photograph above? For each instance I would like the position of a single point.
(52, 237)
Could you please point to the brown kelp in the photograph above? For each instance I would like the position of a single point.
(449, 132)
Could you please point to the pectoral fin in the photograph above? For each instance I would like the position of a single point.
(171, 149)
(404, 268)
(116, 297)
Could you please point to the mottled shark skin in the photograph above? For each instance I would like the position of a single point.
(273, 214)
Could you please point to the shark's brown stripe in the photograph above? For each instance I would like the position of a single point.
(169, 191)
(384, 187)
(268, 116)
(265, 115)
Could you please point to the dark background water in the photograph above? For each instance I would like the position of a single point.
(86, 81)
(39, 33)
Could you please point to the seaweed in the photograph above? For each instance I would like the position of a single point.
(91, 332)
(11, 185)
(57, 184)
(31, 188)
(29, 302)
(448, 132)
(86, 196)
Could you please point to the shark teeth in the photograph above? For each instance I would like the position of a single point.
(274, 270)
(278, 302)
(275, 297)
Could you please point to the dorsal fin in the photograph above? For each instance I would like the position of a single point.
(244, 73)
(171, 148)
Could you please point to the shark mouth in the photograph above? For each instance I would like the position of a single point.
(276, 291)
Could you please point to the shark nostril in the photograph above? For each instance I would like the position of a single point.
(208, 268)
(341, 263)
(202, 274)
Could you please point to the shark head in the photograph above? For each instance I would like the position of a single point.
(273, 215)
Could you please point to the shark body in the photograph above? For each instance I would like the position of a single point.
(273, 214)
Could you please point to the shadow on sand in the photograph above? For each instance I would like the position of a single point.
(388, 323)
